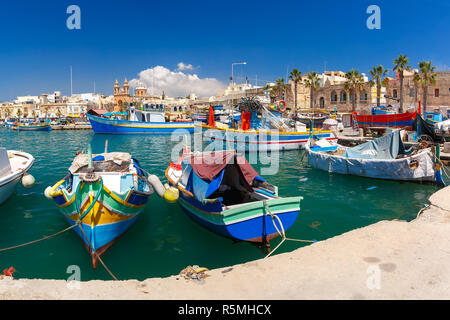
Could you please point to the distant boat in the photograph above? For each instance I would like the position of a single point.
(392, 120)
(260, 129)
(13, 165)
(46, 126)
(317, 121)
(222, 192)
(382, 158)
(145, 121)
(107, 192)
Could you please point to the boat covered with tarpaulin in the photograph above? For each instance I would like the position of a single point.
(432, 132)
(382, 158)
(222, 192)
(102, 197)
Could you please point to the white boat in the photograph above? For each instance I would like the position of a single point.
(13, 166)
(382, 158)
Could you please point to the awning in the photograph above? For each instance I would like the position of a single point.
(208, 169)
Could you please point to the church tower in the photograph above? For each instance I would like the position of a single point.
(116, 88)
(126, 88)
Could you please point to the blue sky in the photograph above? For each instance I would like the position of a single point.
(122, 38)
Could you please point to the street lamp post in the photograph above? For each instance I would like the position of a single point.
(232, 70)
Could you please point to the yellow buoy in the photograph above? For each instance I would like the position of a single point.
(171, 194)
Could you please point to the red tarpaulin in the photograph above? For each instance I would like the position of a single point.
(243, 120)
(209, 164)
(247, 120)
(211, 117)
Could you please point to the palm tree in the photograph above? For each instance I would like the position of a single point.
(355, 82)
(417, 81)
(312, 81)
(280, 87)
(19, 112)
(428, 78)
(400, 65)
(272, 92)
(296, 77)
(377, 74)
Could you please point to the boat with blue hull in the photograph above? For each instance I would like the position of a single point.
(101, 197)
(46, 126)
(144, 121)
(260, 129)
(222, 192)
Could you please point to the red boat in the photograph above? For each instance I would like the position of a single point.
(396, 120)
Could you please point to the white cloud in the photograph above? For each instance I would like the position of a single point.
(182, 66)
(177, 83)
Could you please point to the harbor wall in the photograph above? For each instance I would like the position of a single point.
(386, 260)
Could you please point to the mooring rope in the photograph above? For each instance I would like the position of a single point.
(38, 240)
(282, 233)
(78, 223)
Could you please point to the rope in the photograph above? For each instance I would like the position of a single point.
(78, 223)
(442, 165)
(282, 233)
(420, 211)
(36, 241)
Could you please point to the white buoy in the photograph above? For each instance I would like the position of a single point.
(47, 193)
(28, 180)
(157, 185)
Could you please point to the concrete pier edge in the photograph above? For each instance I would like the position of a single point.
(385, 260)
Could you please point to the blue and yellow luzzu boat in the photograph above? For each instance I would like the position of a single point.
(104, 195)
(222, 192)
(33, 127)
(145, 121)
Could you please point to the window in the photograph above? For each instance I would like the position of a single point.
(333, 97)
(363, 96)
(436, 92)
(394, 93)
(411, 92)
(343, 96)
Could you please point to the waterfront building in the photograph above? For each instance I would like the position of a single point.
(438, 95)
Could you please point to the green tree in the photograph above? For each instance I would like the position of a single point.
(312, 82)
(354, 84)
(428, 77)
(296, 77)
(280, 87)
(19, 112)
(272, 91)
(400, 65)
(417, 82)
(378, 73)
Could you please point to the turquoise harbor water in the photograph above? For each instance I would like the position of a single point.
(164, 240)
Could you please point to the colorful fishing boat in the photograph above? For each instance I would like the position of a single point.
(383, 158)
(259, 129)
(13, 167)
(222, 192)
(102, 197)
(396, 120)
(33, 127)
(317, 121)
(144, 121)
